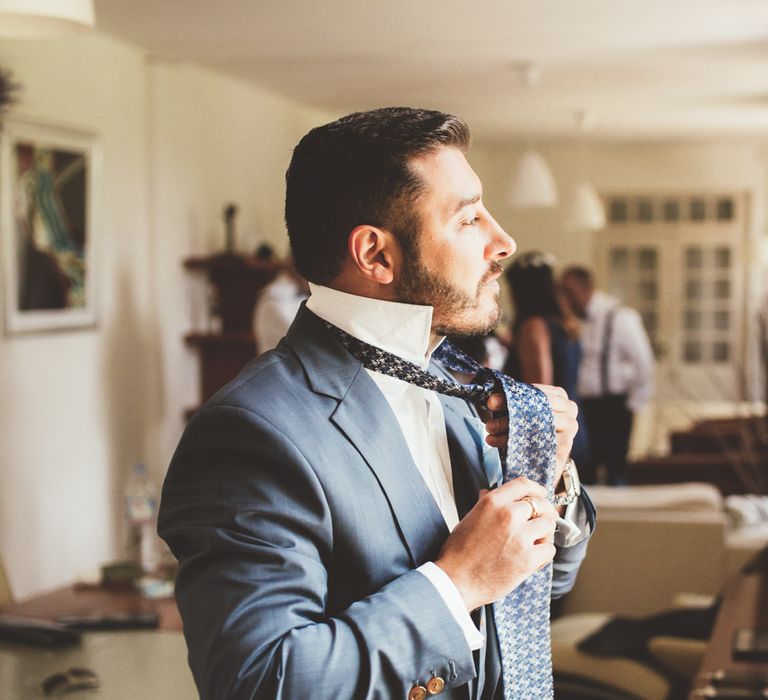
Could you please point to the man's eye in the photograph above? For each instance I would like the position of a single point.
(471, 222)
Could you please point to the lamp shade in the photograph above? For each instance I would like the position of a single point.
(41, 19)
(531, 184)
(586, 211)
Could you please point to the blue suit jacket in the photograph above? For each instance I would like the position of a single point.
(298, 518)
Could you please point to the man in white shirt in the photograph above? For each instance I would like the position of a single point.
(342, 533)
(615, 375)
(277, 305)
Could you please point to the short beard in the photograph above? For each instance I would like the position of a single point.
(452, 306)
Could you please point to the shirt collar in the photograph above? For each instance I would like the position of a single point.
(402, 329)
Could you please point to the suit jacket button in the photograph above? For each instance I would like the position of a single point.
(418, 692)
(435, 685)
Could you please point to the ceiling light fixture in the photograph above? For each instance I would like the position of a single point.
(44, 19)
(586, 211)
(531, 184)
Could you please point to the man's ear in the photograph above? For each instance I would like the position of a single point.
(374, 252)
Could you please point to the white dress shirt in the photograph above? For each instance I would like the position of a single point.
(404, 330)
(630, 357)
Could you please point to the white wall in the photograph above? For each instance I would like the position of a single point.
(80, 407)
(214, 141)
(68, 418)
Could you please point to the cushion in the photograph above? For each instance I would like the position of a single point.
(689, 496)
(617, 672)
(745, 510)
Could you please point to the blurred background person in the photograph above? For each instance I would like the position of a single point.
(616, 375)
(277, 305)
(545, 345)
(487, 350)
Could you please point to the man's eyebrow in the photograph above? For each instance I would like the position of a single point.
(466, 201)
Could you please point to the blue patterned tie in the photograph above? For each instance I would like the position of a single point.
(522, 618)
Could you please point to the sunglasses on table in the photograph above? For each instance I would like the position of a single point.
(68, 681)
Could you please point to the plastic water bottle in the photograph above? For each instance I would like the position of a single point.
(141, 510)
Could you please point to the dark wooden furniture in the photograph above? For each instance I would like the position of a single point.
(221, 358)
(236, 281)
(726, 452)
(94, 601)
(745, 604)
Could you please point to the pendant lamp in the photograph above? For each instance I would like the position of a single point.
(531, 184)
(44, 19)
(585, 210)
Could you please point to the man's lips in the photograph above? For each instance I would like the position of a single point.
(492, 275)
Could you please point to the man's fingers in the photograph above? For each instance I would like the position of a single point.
(497, 440)
(552, 392)
(517, 489)
(558, 399)
(497, 426)
(540, 528)
(543, 553)
(497, 402)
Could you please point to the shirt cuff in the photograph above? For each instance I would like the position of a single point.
(573, 527)
(452, 599)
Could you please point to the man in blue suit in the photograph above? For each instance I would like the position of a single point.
(337, 529)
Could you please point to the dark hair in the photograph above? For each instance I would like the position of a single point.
(581, 274)
(532, 281)
(355, 171)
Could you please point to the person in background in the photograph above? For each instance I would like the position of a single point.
(277, 305)
(487, 350)
(545, 336)
(616, 375)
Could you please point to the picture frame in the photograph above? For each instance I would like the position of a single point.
(49, 176)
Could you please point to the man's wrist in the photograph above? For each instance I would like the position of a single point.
(454, 601)
(569, 488)
(469, 602)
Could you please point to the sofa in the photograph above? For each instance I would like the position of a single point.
(654, 548)
(654, 542)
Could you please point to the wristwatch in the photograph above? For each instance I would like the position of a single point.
(571, 483)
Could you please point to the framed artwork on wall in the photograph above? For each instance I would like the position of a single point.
(48, 180)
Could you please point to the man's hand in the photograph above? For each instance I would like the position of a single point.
(564, 411)
(498, 544)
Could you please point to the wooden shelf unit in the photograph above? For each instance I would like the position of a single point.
(237, 281)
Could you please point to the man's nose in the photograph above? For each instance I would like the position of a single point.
(502, 245)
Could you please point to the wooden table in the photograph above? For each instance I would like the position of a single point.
(745, 604)
(93, 601)
(130, 664)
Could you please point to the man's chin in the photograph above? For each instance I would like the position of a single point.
(478, 321)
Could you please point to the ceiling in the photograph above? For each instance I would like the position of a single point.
(641, 68)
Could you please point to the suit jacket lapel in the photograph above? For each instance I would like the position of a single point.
(366, 419)
(465, 447)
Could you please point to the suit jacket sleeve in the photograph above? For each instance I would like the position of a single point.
(565, 566)
(249, 521)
